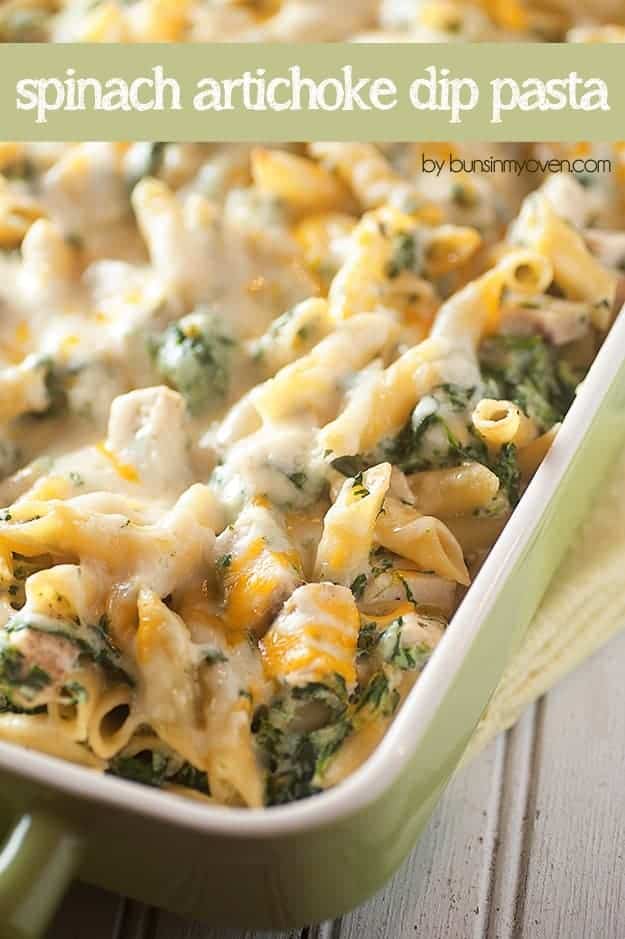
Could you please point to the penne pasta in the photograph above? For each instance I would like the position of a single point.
(264, 410)
(112, 722)
(502, 422)
(575, 269)
(301, 183)
(349, 526)
(312, 382)
(423, 539)
(36, 732)
(532, 454)
(459, 490)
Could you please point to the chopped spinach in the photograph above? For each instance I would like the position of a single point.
(506, 467)
(191, 778)
(349, 465)
(332, 695)
(368, 639)
(154, 768)
(463, 197)
(380, 561)
(294, 758)
(92, 641)
(308, 331)
(148, 767)
(378, 696)
(326, 741)
(427, 441)
(212, 656)
(288, 757)
(54, 379)
(298, 479)
(526, 370)
(22, 569)
(359, 490)
(406, 255)
(394, 650)
(410, 597)
(457, 397)
(17, 675)
(74, 693)
(358, 585)
(194, 357)
(7, 706)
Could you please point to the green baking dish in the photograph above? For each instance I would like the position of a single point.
(291, 865)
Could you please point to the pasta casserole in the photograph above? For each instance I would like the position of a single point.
(264, 412)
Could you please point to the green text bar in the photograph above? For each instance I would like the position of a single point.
(273, 92)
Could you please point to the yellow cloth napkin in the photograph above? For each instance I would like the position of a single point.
(584, 607)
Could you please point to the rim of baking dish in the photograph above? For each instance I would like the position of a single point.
(381, 769)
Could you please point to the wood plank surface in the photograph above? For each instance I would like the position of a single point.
(441, 889)
(176, 927)
(87, 913)
(528, 842)
(573, 864)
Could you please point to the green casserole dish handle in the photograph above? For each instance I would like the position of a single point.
(38, 859)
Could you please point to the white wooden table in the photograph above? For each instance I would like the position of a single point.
(528, 842)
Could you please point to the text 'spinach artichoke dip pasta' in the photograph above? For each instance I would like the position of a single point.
(265, 411)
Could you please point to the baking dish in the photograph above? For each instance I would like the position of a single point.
(308, 861)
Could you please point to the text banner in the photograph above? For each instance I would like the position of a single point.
(273, 92)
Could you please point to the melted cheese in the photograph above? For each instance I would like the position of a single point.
(124, 470)
(260, 568)
(314, 637)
